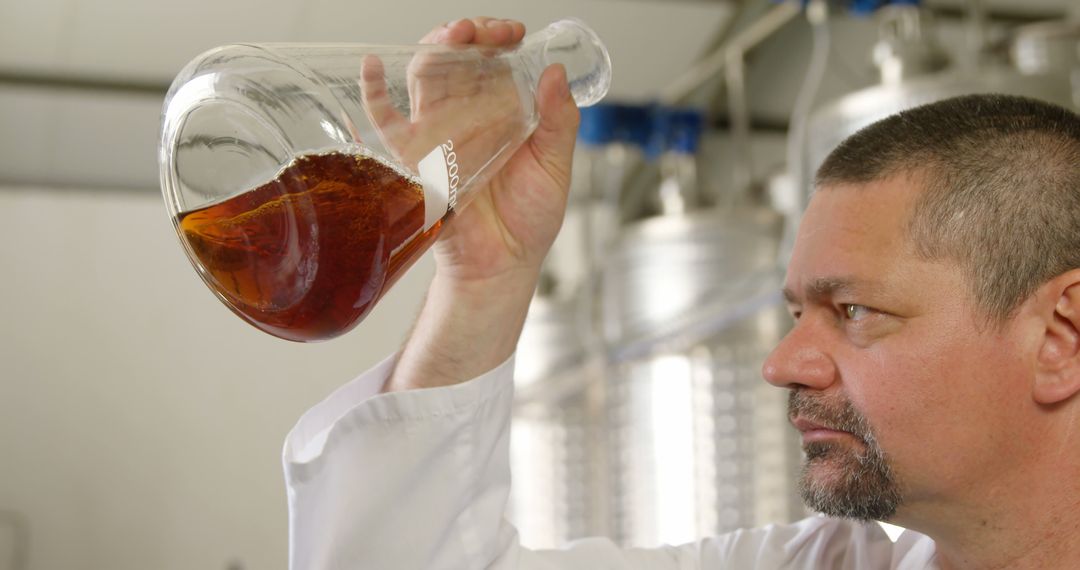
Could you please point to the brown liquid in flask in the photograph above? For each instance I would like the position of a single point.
(306, 256)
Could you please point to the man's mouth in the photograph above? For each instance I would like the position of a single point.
(813, 431)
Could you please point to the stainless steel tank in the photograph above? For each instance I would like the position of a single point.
(836, 121)
(1045, 67)
(1047, 47)
(663, 431)
(553, 435)
(668, 269)
(701, 443)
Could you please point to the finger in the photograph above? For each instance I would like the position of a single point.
(480, 31)
(378, 105)
(457, 32)
(427, 78)
(427, 71)
(496, 31)
(518, 31)
(553, 141)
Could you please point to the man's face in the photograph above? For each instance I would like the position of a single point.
(905, 398)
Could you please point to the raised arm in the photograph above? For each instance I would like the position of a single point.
(488, 259)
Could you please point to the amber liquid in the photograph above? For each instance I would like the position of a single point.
(307, 255)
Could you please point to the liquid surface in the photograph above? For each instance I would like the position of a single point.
(307, 255)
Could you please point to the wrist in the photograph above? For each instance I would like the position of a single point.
(466, 328)
(487, 293)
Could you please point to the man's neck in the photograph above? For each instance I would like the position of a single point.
(1024, 522)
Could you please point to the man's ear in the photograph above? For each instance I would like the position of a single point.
(1057, 377)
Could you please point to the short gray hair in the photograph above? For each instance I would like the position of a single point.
(1002, 188)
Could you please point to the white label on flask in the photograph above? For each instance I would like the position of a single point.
(439, 175)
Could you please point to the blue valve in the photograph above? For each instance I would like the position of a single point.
(610, 123)
(650, 127)
(868, 7)
(599, 124)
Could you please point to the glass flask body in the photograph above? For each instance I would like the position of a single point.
(304, 179)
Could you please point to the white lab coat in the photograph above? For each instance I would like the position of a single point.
(420, 480)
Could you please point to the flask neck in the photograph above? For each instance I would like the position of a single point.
(574, 45)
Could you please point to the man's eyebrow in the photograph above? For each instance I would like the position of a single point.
(822, 287)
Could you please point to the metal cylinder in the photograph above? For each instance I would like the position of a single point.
(836, 121)
(700, 443)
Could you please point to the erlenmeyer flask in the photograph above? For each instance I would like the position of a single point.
(304, 179)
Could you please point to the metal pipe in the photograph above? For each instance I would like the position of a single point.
(730, 58)
(712, 64)
(738, 109)
(817, 13)
(27, 79)
(976, 33)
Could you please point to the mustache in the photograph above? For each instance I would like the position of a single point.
(840, 415)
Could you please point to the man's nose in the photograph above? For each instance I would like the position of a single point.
(800, 361)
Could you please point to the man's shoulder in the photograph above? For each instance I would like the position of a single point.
(822, 542)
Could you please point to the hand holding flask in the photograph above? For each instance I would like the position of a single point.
(304, 179)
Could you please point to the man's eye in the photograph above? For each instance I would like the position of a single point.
(856, 312)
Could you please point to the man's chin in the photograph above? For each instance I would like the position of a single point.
(826, 473)
(838, 482)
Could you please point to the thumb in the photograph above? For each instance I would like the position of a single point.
(553, 140)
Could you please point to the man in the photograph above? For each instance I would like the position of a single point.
(933, 366)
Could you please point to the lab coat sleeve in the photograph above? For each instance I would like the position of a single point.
(416, 480)
(412, 479)
(420, 480)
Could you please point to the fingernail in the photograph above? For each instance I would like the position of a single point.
(456, 22)
(492, 24)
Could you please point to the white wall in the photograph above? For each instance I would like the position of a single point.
(141, 422)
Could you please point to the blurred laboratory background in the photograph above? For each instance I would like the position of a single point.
(141, 422)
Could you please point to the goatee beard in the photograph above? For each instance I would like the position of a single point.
(861, 484)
